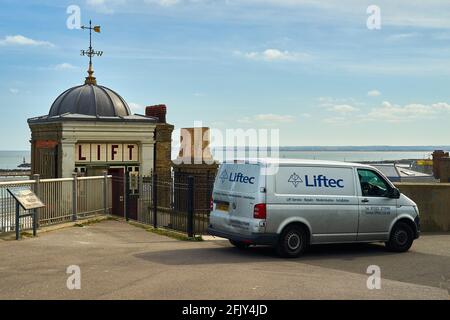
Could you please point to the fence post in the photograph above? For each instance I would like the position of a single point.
(37, 178)
(105, 191)
(155, 200)
(17, 220)
(74, 196)
(190, 207)
(127, 193)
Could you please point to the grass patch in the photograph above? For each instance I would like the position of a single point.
(26, 234)
(88, 222)
(165, 232)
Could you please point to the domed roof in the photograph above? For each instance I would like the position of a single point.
(90, 99)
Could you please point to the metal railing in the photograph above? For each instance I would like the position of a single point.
(181, 204)
(65, 199)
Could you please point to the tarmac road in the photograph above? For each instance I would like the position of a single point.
(121, 261)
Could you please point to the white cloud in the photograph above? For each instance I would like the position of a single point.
(64, 66)
(268, 118)
(343, 108)
(167, 3)
(340, 113)
(136, 107)
(244, 120)
(335, 120)
(415, 13)
(403, 36)
(19, 40)
(14, 90)
(170, 3)
(274, 55)
(395, 113)
(374, 93)
(345, 113)
(105, 6)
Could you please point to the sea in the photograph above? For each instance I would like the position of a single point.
(11, 159)
(348, 156)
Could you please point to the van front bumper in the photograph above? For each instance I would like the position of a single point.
(417, 222)
(254, 238)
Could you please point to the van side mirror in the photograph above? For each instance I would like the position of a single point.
(394, 193)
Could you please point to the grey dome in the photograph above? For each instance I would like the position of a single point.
(90, 99)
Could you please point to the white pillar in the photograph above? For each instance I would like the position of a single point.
(67, 158)
(146, 158)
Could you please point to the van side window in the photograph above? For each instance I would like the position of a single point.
(372, 184)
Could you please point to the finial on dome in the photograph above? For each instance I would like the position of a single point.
(90, 79)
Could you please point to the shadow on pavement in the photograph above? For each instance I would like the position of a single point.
(412, 267)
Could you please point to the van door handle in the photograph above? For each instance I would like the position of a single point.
(365, 200)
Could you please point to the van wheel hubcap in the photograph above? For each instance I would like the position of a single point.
(401, 237)
(293, 241)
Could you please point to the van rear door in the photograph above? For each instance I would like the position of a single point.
(236, 191)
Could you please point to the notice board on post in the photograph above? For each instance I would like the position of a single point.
(27, 199)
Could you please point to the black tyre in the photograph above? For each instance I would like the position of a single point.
(401, 238)
(239, 244)
(293, 242)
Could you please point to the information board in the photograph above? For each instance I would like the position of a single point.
(26, 198)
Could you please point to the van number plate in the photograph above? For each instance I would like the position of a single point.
(222, 206)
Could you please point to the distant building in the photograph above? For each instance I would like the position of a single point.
(441, 166)
(398, 173)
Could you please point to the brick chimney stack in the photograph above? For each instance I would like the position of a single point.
(158, 111)
(437, 156)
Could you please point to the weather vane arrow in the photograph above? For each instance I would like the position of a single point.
(90, 53)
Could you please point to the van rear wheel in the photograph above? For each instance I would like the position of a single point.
(239, 244)
(292, 242)
(401, 238)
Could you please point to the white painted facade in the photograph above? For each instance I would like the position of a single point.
(70, 135)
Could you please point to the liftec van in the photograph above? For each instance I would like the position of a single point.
(291, 204)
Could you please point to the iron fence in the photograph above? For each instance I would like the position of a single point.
(178, 202)
(174, 202)
(65, 199)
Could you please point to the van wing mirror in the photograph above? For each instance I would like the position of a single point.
(394, 193)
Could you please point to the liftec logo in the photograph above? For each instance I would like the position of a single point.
(319, 181)
(236, 177)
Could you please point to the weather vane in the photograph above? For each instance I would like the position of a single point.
(90, 53)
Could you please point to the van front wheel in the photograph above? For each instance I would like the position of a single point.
(292, 242)
(401, 239)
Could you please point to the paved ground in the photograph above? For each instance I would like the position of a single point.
(120, 261)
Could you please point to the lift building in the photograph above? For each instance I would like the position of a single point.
(90, 130)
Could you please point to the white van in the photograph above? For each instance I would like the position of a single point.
(291, 204)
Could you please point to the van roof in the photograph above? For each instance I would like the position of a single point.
(266, 161)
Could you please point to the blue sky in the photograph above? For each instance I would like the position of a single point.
(312, 69)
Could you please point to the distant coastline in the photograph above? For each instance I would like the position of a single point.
(325, 148)
(344, 148)
(10, 160)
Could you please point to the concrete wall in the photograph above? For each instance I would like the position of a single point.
(433, 200)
